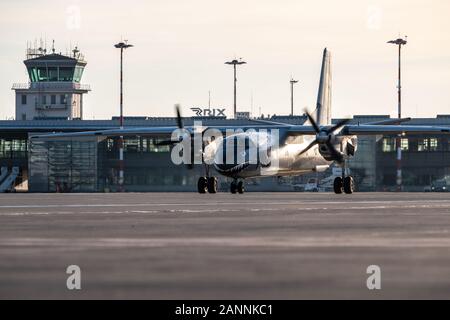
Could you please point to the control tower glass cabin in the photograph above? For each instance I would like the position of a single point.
(54, 90)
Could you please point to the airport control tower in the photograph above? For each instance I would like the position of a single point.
(54, 90)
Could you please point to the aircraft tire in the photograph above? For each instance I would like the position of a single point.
(338, 185)
(233, 187)
(202, 185)
(241, 187)
(349, 185)
(212, 185)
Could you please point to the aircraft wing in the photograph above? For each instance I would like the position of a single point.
(391, 129)
(299, 130)
(380, 129)
(145, 131)
(150, 131)
(292, 130)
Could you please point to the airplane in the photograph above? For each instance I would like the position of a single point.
(294, 150)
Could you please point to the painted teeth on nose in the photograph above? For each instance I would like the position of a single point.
(236, 168)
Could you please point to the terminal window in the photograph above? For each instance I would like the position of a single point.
(433, 144)
(388, 144)
(404, 144)
(53, 99)
(24, 99)
(422, 145)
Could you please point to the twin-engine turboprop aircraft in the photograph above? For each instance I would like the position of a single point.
(269, 148)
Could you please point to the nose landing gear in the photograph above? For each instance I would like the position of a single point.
(207, 183)
(202, 185)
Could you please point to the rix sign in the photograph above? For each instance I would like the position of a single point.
(209, 112)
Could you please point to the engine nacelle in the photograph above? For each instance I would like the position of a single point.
(345, 145)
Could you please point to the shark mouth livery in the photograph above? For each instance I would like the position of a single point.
(228, 170)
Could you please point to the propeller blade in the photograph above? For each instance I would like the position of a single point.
(338, 125)
(308, 147)
(179, 119)
(313, 123)
(336, 155)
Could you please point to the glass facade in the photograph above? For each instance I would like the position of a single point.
(13, 148)
(85, 165)
(63, 165)
(404, 144)
(422, 145)
(78, 74)
(388, 144)
(433, 144)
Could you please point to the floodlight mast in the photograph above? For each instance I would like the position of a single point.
(235, 62)
(399, 42)
(292, 82)
(121, 45)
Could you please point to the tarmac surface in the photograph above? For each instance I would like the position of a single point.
(223, 246)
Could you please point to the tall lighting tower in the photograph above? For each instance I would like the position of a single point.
(292, 82)
(399, 42)
(235, 63)
(121, 45)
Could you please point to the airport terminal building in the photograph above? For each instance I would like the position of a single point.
(90, 164)
(52, 101)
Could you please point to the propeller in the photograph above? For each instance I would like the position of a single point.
(179, 125)
(324, 137)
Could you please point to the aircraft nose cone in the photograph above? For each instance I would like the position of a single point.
(230, 159)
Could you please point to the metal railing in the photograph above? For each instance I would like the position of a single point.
(52, 85)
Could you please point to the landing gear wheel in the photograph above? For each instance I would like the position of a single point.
(349, 185)
(240, 187)
(212, 185)
(202, 185)
(233, 187)
(338, 185)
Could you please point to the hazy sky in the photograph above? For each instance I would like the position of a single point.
(181, 46)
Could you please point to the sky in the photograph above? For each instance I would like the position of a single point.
(180, 48)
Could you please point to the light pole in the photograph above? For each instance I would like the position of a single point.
(399, 42)
(234, 63)
(292, 95)
(121, 46)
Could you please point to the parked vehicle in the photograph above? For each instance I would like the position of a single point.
(439, 186)
(310, 186)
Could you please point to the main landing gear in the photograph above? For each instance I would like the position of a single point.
(207, 183)
(237, 186)
(344, 184)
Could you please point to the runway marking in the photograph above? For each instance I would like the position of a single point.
(291, 242)
(334, 209)
(212, 203)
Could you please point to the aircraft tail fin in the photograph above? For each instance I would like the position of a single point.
(323, 107)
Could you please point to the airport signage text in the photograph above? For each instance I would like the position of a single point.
(207, 112)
